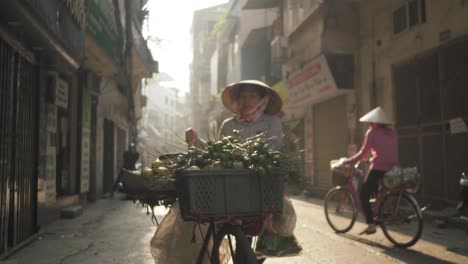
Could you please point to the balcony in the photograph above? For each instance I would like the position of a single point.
(260, 4)
(143, 63)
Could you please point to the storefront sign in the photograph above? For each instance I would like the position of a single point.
(309, 146)
(51, 156)
(281, 89)
(85, 142)
(85, 139)
(457, 125)
(51, 118)
(351, 110)
(312, 83)
(61, 93)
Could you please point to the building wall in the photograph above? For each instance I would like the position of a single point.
(304, 43)
(376, 26)
(163, 104)
(424, 60)
(253, 19)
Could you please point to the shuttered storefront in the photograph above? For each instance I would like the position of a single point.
(330, 138)
(430, 90)
(18, 148)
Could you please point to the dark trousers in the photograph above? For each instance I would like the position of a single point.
(370, 187)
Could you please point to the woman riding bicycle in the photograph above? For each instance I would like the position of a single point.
(254, 105)
(380, 141)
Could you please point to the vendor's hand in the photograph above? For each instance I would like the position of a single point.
(191, 137)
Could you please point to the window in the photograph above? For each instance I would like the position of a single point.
(413, 13)
(399, 20)
(409, 15)
(423, 11)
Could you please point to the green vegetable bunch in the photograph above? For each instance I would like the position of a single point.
(232, 153)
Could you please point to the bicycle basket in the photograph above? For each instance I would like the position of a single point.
(229, 192)
(339, 175)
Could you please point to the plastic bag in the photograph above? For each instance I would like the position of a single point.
(283, 224)
(337, 161)
(172, 242)
(398, 175)
(274, 245)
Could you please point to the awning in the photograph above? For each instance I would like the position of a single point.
(260, 4)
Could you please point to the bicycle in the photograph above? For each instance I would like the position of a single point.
(395, 209)
(241, 251)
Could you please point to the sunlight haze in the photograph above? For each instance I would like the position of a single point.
(170, 21)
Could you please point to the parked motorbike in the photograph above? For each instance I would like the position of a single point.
(463, 195)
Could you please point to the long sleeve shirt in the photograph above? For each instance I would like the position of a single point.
(383, 145)
(269, 124)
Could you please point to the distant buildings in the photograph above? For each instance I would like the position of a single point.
(165, 119)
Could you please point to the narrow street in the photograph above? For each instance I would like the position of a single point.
(322, 245)
(114, 231)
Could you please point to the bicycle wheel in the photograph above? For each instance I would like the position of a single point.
(241, 252)
(340, 209)
(401, 219)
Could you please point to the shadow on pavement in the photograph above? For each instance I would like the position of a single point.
(432, 235)
(458, 250)
(404, 255)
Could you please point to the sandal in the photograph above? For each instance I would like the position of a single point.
(369, 230)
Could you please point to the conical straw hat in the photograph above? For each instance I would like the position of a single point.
(378, 116)
(231, 92)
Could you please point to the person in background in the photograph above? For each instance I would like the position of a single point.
(381, 142)
(130, 157)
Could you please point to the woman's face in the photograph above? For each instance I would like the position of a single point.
(248, 98)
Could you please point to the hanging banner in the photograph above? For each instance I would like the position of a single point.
(309, 146)
(61, 93)
(314, 83)
(50, 179)
(351, 111)
(85, 139)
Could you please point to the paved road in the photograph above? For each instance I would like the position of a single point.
(322, 245)
(109, 231)
(112, 231)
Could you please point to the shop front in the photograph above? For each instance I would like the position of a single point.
(431, 116)
(320, 96)
(41, 46)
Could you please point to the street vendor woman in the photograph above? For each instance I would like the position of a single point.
(254, 105)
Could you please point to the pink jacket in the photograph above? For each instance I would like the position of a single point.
(383, 145)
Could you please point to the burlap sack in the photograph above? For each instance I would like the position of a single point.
(283, 224)
(172, 243)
